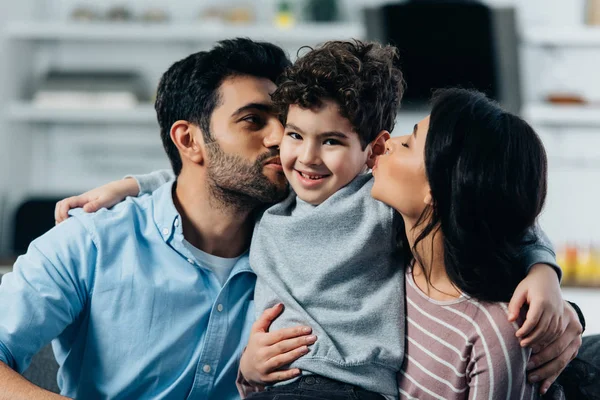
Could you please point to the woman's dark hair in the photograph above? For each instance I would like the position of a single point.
(189, 90)
(361, 77)
(487, 171)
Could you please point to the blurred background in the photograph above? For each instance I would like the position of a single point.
(79, 77)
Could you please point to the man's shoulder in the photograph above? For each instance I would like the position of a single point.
(130, 210)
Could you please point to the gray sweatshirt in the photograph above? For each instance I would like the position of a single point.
(335, 269)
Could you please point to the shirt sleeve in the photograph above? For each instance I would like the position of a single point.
(46, 291)
(148, 183)
(498, 367)
(537, 249)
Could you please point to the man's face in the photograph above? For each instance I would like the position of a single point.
(243, 161)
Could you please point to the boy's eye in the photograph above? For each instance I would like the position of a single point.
(331, 142)
(294, 135)
(405, 145)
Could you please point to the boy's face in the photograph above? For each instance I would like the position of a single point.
(320, 152)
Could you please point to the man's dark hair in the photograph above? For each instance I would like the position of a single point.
(361, 77)
(189, 90)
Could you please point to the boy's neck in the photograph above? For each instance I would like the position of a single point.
(213, 228)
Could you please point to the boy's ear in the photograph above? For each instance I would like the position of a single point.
(377, 147)
(186, 136)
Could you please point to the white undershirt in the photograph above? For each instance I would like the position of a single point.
(219, 266)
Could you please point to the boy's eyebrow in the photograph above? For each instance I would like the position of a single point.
(334, 134)
(265, 107)
(340, 135)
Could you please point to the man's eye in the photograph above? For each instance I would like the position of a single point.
(254, 119)
(294, 136)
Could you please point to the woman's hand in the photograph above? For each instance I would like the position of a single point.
(95, 199)
(552, 328)
(267, 352)
(546, 363)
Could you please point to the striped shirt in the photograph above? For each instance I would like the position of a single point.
(461, 349)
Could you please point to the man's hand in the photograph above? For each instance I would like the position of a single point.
(95, 199)
(547, 362)
(268, 351)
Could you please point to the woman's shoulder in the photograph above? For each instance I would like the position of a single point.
(490, 329)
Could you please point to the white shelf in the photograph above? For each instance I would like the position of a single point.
(27, 112)
(195, 32)
(562, 115)
(574, 36)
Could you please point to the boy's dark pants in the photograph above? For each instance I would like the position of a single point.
(315, 387)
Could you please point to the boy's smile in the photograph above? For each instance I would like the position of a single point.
(320, 151)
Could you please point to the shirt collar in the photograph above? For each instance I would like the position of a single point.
(168, 222)
(166, 216)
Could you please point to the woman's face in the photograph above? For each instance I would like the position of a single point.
(400, 179)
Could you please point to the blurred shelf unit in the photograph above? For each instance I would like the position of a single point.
(28, 112)
(207, 32)
(571, 36)
(562, 115)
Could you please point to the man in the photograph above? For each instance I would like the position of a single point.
(136, 296)
(127, 293)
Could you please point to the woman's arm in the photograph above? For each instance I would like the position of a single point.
(112, 193)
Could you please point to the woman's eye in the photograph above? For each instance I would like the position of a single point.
(405, 145)
(294, 136)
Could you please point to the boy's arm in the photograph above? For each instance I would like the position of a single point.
(112, 193)
(44, 294)
(148, 183)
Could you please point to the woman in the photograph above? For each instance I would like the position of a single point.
(468, 182)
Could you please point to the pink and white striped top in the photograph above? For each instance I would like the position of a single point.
(461, 349)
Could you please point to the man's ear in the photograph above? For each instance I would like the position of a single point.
(187, 138)
(377, 147)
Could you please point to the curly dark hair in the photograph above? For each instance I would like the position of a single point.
(361, 77)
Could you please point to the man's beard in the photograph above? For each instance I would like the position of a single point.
(237, 183)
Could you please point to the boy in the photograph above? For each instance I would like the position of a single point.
(328, 252)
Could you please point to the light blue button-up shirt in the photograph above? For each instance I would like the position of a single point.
(131, 315)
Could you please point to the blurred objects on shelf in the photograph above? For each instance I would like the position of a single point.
(593, 12)
(284, 17)
(580, 265)
(322, 10)
(85, 14)
(565, 98)
(119, 13)
(155, 15)
(240, 14)
(90, 89)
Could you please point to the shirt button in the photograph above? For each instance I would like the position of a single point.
(190, 260)
(206, 368)
(177, 222)
(220, 307)
(165, 231)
